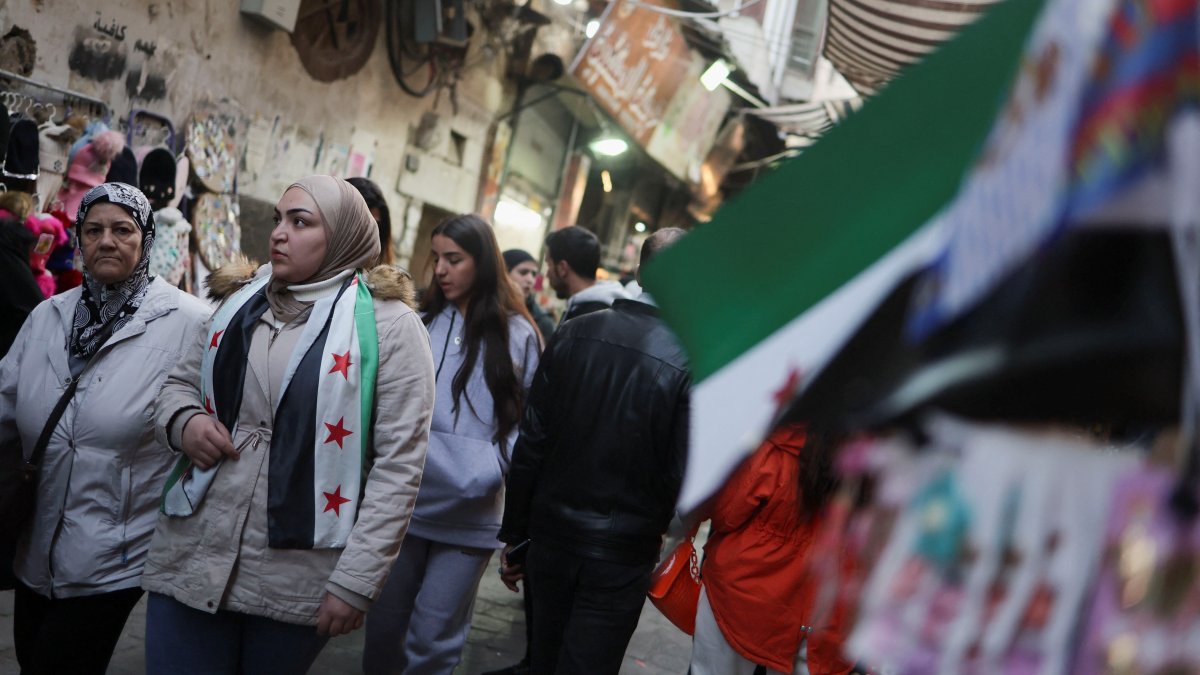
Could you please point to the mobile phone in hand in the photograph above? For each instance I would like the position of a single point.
(516, 555)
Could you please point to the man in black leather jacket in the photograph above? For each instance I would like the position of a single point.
(594, 478)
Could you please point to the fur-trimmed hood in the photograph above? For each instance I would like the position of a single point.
(387, 282)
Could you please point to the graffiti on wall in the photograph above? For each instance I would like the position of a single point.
(97, 55)
(106, 50)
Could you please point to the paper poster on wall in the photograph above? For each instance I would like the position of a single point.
(363, 146)
(333, 159)
(257, 148)
(293, 155)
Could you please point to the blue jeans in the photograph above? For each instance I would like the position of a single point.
(185, 641)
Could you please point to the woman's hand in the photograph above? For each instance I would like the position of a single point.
(337, 617)
(206, 441)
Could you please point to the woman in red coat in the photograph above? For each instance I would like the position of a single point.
(757, 602)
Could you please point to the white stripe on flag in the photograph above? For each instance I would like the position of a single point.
(338, 452)
(725, 428)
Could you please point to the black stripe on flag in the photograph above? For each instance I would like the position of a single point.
(290, 510)
(229, 365)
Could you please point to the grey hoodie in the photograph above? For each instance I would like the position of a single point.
(461, 500)
(593, 298)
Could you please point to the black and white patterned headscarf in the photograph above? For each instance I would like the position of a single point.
(103, 309)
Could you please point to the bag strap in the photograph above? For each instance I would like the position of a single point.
(39, 449)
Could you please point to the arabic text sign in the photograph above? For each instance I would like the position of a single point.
(634, 66)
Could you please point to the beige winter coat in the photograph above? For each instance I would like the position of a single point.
(218, 558)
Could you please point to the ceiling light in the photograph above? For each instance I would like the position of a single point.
(715, 75)
(564, 2)
(592, 27)
(606, 180)
(609, 146)
(639, 226)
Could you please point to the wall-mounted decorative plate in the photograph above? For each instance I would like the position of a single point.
(212, 152)
(218, 237)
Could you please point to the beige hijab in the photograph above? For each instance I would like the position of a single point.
(351, 233)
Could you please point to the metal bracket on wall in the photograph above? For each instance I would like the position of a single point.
(67, 94)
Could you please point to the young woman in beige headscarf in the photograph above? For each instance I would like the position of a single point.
(302, 419)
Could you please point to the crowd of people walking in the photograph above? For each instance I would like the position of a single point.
(318, 450)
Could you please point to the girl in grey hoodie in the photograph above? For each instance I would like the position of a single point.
(485, 350)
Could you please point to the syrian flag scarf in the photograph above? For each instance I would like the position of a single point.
(319, 440)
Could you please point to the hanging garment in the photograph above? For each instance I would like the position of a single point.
(89, 167)
(156, 174)
(54, 145)
(168, 258)
(124, 168)
(5, 129)
(21, 157)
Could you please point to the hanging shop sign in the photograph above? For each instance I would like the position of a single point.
(640, 70)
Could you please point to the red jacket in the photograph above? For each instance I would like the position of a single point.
(755, 563)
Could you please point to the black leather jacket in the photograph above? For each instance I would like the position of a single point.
(597, 467)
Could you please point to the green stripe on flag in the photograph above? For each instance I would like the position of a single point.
(177, 471)
(807, 228)
(368, 347)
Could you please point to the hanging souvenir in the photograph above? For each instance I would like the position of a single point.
(990, 564)
(50, 233)
(168, 258)
(1145, 617)
(218, 237)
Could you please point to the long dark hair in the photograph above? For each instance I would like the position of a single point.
(493, 300)
(374, 198)
(817, 480)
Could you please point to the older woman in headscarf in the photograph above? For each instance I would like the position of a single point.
(115, 338)
(302, 416)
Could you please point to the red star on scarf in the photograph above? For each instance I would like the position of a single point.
(337, 432)
(341, 364)
(208, 406)
(334, 501)
(784, 394)
(215, 338)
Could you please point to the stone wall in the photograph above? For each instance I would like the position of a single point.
(175, 57)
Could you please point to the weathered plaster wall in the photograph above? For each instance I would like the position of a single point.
(179, 56)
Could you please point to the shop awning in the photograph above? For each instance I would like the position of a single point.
(809, 120)
(869, 41)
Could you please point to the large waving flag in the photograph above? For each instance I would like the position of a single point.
(1032, 119)
(843, 218)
